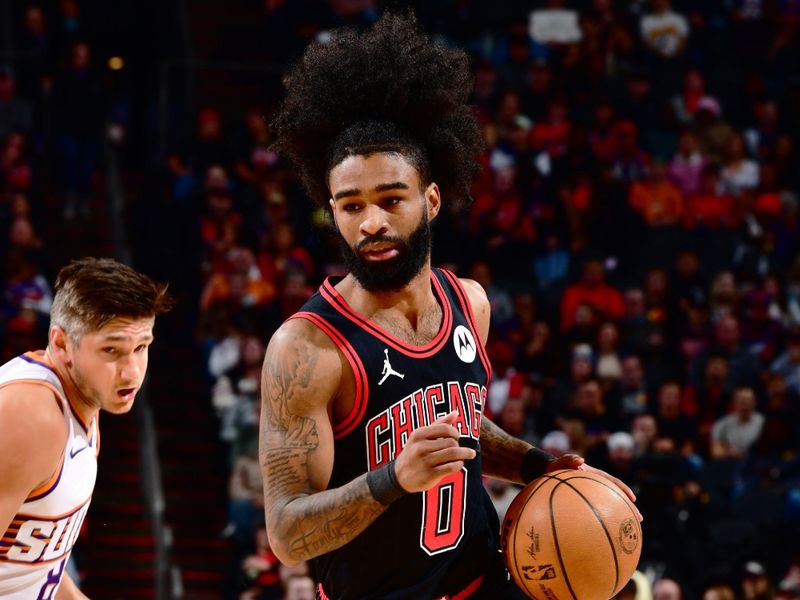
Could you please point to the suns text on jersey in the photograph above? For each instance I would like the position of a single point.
(388, 431)
(40, 539)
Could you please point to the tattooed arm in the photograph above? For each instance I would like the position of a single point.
(301, 375)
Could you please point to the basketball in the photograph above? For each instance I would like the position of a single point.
(571, 534)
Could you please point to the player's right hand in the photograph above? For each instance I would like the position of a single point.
(430, 453)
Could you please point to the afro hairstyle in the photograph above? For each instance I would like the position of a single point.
(388, 89)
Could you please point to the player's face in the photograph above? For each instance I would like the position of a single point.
(383, 218)
(108, 366)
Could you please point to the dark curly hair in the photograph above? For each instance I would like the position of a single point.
(388, 89)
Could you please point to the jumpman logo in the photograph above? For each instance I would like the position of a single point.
(387, 368)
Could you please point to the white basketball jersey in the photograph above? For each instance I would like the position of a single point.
(35, 548)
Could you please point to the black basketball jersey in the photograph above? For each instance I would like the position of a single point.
(429, 544)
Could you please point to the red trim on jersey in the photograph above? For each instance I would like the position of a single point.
(340, 304)
(355, 415)
(466, 305)
(321, 593)
(467, 591)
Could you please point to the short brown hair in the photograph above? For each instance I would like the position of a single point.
(90, 292)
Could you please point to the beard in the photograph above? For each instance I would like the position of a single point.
(395, 273)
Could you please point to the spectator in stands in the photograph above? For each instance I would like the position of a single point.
(739, 173)
(36, 42)
(78, 101)
(685, 104)
(15, 163)
(550, 135)
(300, 587)
(743, 366)
(620, 446)
(719, 592)
(592, 411)
(632, 391)
(761, 334)
(659, 202)
(609, 366)
(710, 207)
(686, 167)
(499, 299)
(756, 584)
(762, 138)
(261, 571)
(671, 421)
(506, 380)
(245, 488)
(733, 435)
(254, 157)
(630, 162)
(667, 589)
(664, 31)
(787, 365)
(237, 282)
(644, 431)
(593, 290)
(15, 112)
(712, 132)
(236, 395)
(513, 419)
(601, 134)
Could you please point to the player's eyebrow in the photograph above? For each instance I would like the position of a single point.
(383, 187)
(121, 337)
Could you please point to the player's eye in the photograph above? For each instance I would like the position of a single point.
(352, 207)
(109, 350)
(140, 348)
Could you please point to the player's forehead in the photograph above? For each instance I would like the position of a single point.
(124, 329)
(377, 171)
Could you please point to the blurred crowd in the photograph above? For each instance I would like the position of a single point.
(635, 227)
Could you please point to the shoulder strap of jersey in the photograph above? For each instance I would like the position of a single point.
(458, 295)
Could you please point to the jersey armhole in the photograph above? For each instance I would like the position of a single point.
(466, 306)
(351, 420)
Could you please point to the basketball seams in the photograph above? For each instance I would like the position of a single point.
(599, 520)
(555, 539)
(612, 488)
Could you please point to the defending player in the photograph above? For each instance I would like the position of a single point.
(389, 358)
(101, 326)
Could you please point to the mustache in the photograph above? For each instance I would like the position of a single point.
(374, 239)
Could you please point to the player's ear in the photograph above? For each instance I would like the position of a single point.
(59, 342)
(332, 204)
(434, 200)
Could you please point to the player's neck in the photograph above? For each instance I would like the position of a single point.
(413, 299)
(76, 399)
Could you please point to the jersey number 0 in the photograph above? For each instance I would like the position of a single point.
(443, 509)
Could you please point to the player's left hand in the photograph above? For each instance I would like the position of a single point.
(573, 461)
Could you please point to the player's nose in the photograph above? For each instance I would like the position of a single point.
(374, 221)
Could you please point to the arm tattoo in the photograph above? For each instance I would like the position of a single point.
(287, 439)
(303, 522)
(501, 454)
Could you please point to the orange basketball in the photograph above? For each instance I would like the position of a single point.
(571, 535)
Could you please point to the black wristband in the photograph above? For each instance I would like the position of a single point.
(383, 484)
(534, 464)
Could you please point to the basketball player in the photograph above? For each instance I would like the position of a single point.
(373, 442)
(101, 325)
